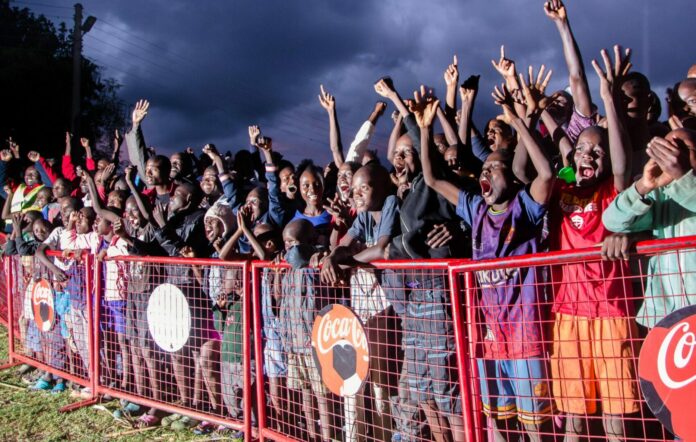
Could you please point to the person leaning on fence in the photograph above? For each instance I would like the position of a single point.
(373, 228)
(663, 201)
(228, 321)
(594, 333)
(302, 298)
(506, 220)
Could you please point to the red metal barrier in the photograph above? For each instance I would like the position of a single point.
(4, 271)
(309, 370)
(554, 354)
(435, 346)
(172, 336)
(51, 326)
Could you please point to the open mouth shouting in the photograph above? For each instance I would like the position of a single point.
(486, 188)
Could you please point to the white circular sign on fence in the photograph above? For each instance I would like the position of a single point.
(168, 317)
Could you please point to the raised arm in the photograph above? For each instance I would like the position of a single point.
(580, 91)
(540, 188)
(135, 141)
(328, 102)
(450, 134)
(467, 91)
(531, 95)
(89, 159)
(451, 80)
(394, 135)
(143, 206)
(66, 164)
(358, 148)
(96, 201)
(118, 139)
(7, 207)
(610, 89)
(214, 155)
(424, 108)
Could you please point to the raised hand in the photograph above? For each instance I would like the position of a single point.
(504, 99)
(159, 214)
(140, 111)
(254, 132)
(339, 209)
(424, 107)
(130, 173)
(107, 172)
(452, 74)
(84, 142)
(120, 228)
(117, 139)
(504, 66)
(533, 90)
(555, 10)
(327, 101)
(17, 218)
(211, 151)
(189, 150)
(33, 156)
(653, 178)
(244, 215)
(380, 107)
(469, 89)
(14, 148)
(265, 144)
(673, 160)
(610, 80)
(5, 155)
(383, 88)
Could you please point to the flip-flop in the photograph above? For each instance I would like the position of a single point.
(147, 420)
(204, 427)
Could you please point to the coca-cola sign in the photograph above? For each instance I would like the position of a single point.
(667, 370)
(340, 349)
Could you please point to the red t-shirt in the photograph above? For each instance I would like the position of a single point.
(589, 289)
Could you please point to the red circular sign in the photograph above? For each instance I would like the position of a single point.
(43, 305)
(667, 370)
(340, 349)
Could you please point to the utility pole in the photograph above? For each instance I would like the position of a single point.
(79, 29)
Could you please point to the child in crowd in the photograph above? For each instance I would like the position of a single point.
(662, 202)
(506, 220)
(302, 299)
(592, 304)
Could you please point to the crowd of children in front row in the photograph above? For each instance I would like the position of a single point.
(625, 176)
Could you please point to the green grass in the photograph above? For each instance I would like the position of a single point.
(34, 416)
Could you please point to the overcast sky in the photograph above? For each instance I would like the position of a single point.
(210, 68)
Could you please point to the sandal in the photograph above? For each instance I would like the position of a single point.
(204, 427)
(147, 420)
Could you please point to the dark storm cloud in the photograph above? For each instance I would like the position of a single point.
(211, 68)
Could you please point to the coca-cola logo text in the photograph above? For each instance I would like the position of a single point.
(667, 371)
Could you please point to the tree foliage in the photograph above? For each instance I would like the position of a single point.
(36, 78)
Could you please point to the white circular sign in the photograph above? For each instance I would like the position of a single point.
(168, 317)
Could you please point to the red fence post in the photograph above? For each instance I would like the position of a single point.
(463, 354)
(258, 347)
(9, 267)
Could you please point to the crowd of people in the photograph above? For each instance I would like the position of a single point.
(549, 173)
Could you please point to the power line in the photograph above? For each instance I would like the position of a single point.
(40, 4)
